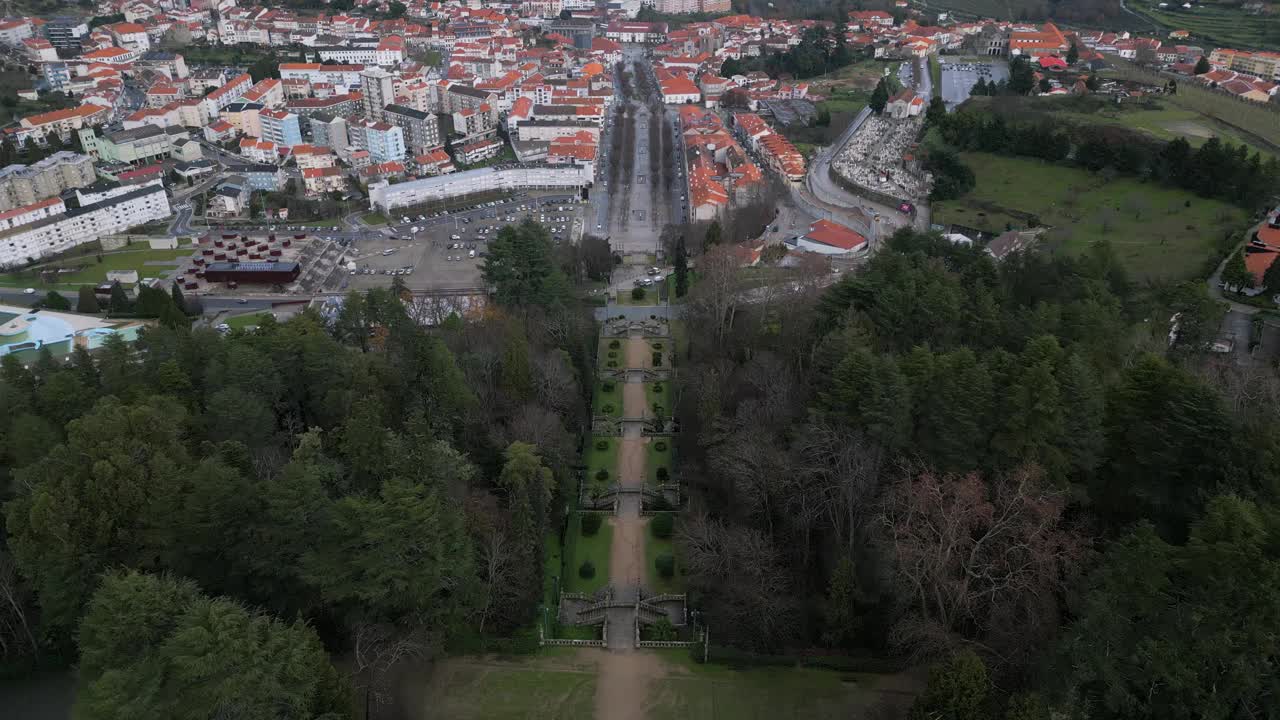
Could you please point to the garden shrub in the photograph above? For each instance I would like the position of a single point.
(613, 354)
(660, 445)
(666, 565)
(662, 525)
(663, 475)
(602, 444)
(612, 363)
(637, 293)
(602, 474)
(607, 386)
(657, 359)
(657, 346)
(657, 409)
(608, 409)
(657, 387)
(590, 524)
(614, 344)
(588, 570)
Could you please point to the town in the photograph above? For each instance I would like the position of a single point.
(404, 360)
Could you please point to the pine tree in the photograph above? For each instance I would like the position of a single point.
(1092, 83)
(714, 233)
(1202, 65)
(1271, 278)
(681, 268)
(179, 301)
(1235, 275)
(119, 299)
(1073, 54)
(879, 97)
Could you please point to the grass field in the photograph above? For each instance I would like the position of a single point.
(374, 218)
(1160, 118)
(596, 460)
(1222, 25)
(655, 458)
(607, 402)
(560, 684)
(653, 547)
(241, 322)
(1152, 230)
(579, 549)
(602, 354)
(658, 395)
(91, 272)
(550, 685)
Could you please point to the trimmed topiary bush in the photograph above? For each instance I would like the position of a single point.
(612, 363)
(614, 344)
(660, 445)
(657, 346)
(588, 570)
(590, 524)
(665, 563)
(662, 525)
(607, 409)
(657, 409)
(663, 475)
(657, 387)
(602, 444)
(607, 386)
(657, 359)
(613, 354)
(602, 474)
(637, 293)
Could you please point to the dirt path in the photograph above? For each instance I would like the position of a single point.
(626, 555)
(622, 687)
(634, 404)
(638, 353)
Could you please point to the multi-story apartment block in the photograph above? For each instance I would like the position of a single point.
(383, 141)
(22, 185)
(32, 241)
(421, 129)
(280, 127)
(377, 91)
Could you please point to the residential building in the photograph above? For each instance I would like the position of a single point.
(334, 105)
(23, 185)
(417, 192)
(267, 178)
(475, 122)
(171, 65)
(28, 214)
(280, 127)
(57, 74)
(66, 33)
(130, 35)
(321, 180)
(329, 131)
(86, 223)
(313, 156)
(13, 32)
(636, 32)
(1049, 40)
(478, 151)
(384, 142)
(37, 128)
(39, 50)
(377, 91)
(421, 130)
(343, 76)
(226, 94)
(230, 199)
(245, 117)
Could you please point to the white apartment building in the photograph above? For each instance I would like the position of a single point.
(85, 224)
(415, 192)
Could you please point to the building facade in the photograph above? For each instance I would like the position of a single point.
(377, 91)
(421, 130)
(84, 224)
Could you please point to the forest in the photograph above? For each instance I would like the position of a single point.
(1004, 472)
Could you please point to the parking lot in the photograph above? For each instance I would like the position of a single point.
(958, 78)
(444, 252)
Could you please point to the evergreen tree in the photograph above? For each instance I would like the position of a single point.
(119, 302)
(1235, 274)
(1202, 66)
(53, 300)
(714, 234)
(1073, 54)
(937, 111)
(180, 301)
(87, 301)
(1271, 278)
(957, 690)
(681, 268)
(1092, 82)
(879, 97)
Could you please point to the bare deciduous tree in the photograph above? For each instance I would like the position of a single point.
(379, 649)
(16, 638)
(967, 552)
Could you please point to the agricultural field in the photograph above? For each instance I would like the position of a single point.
(1158, 233)
(1164, 120)
(1217, 23)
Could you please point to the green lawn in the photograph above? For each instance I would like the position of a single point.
(648, 296)
(1219, 24)
(658, 395)
(653, 547)
(240, 322)
(374, 218)
(607, 353)
(91, 272)
(596, 460)
(548, 686)
(655, 458)
(664, 347)
(1152, 231)
(608, 402)
(580, 549)
(935, 75)
(1159, 118)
